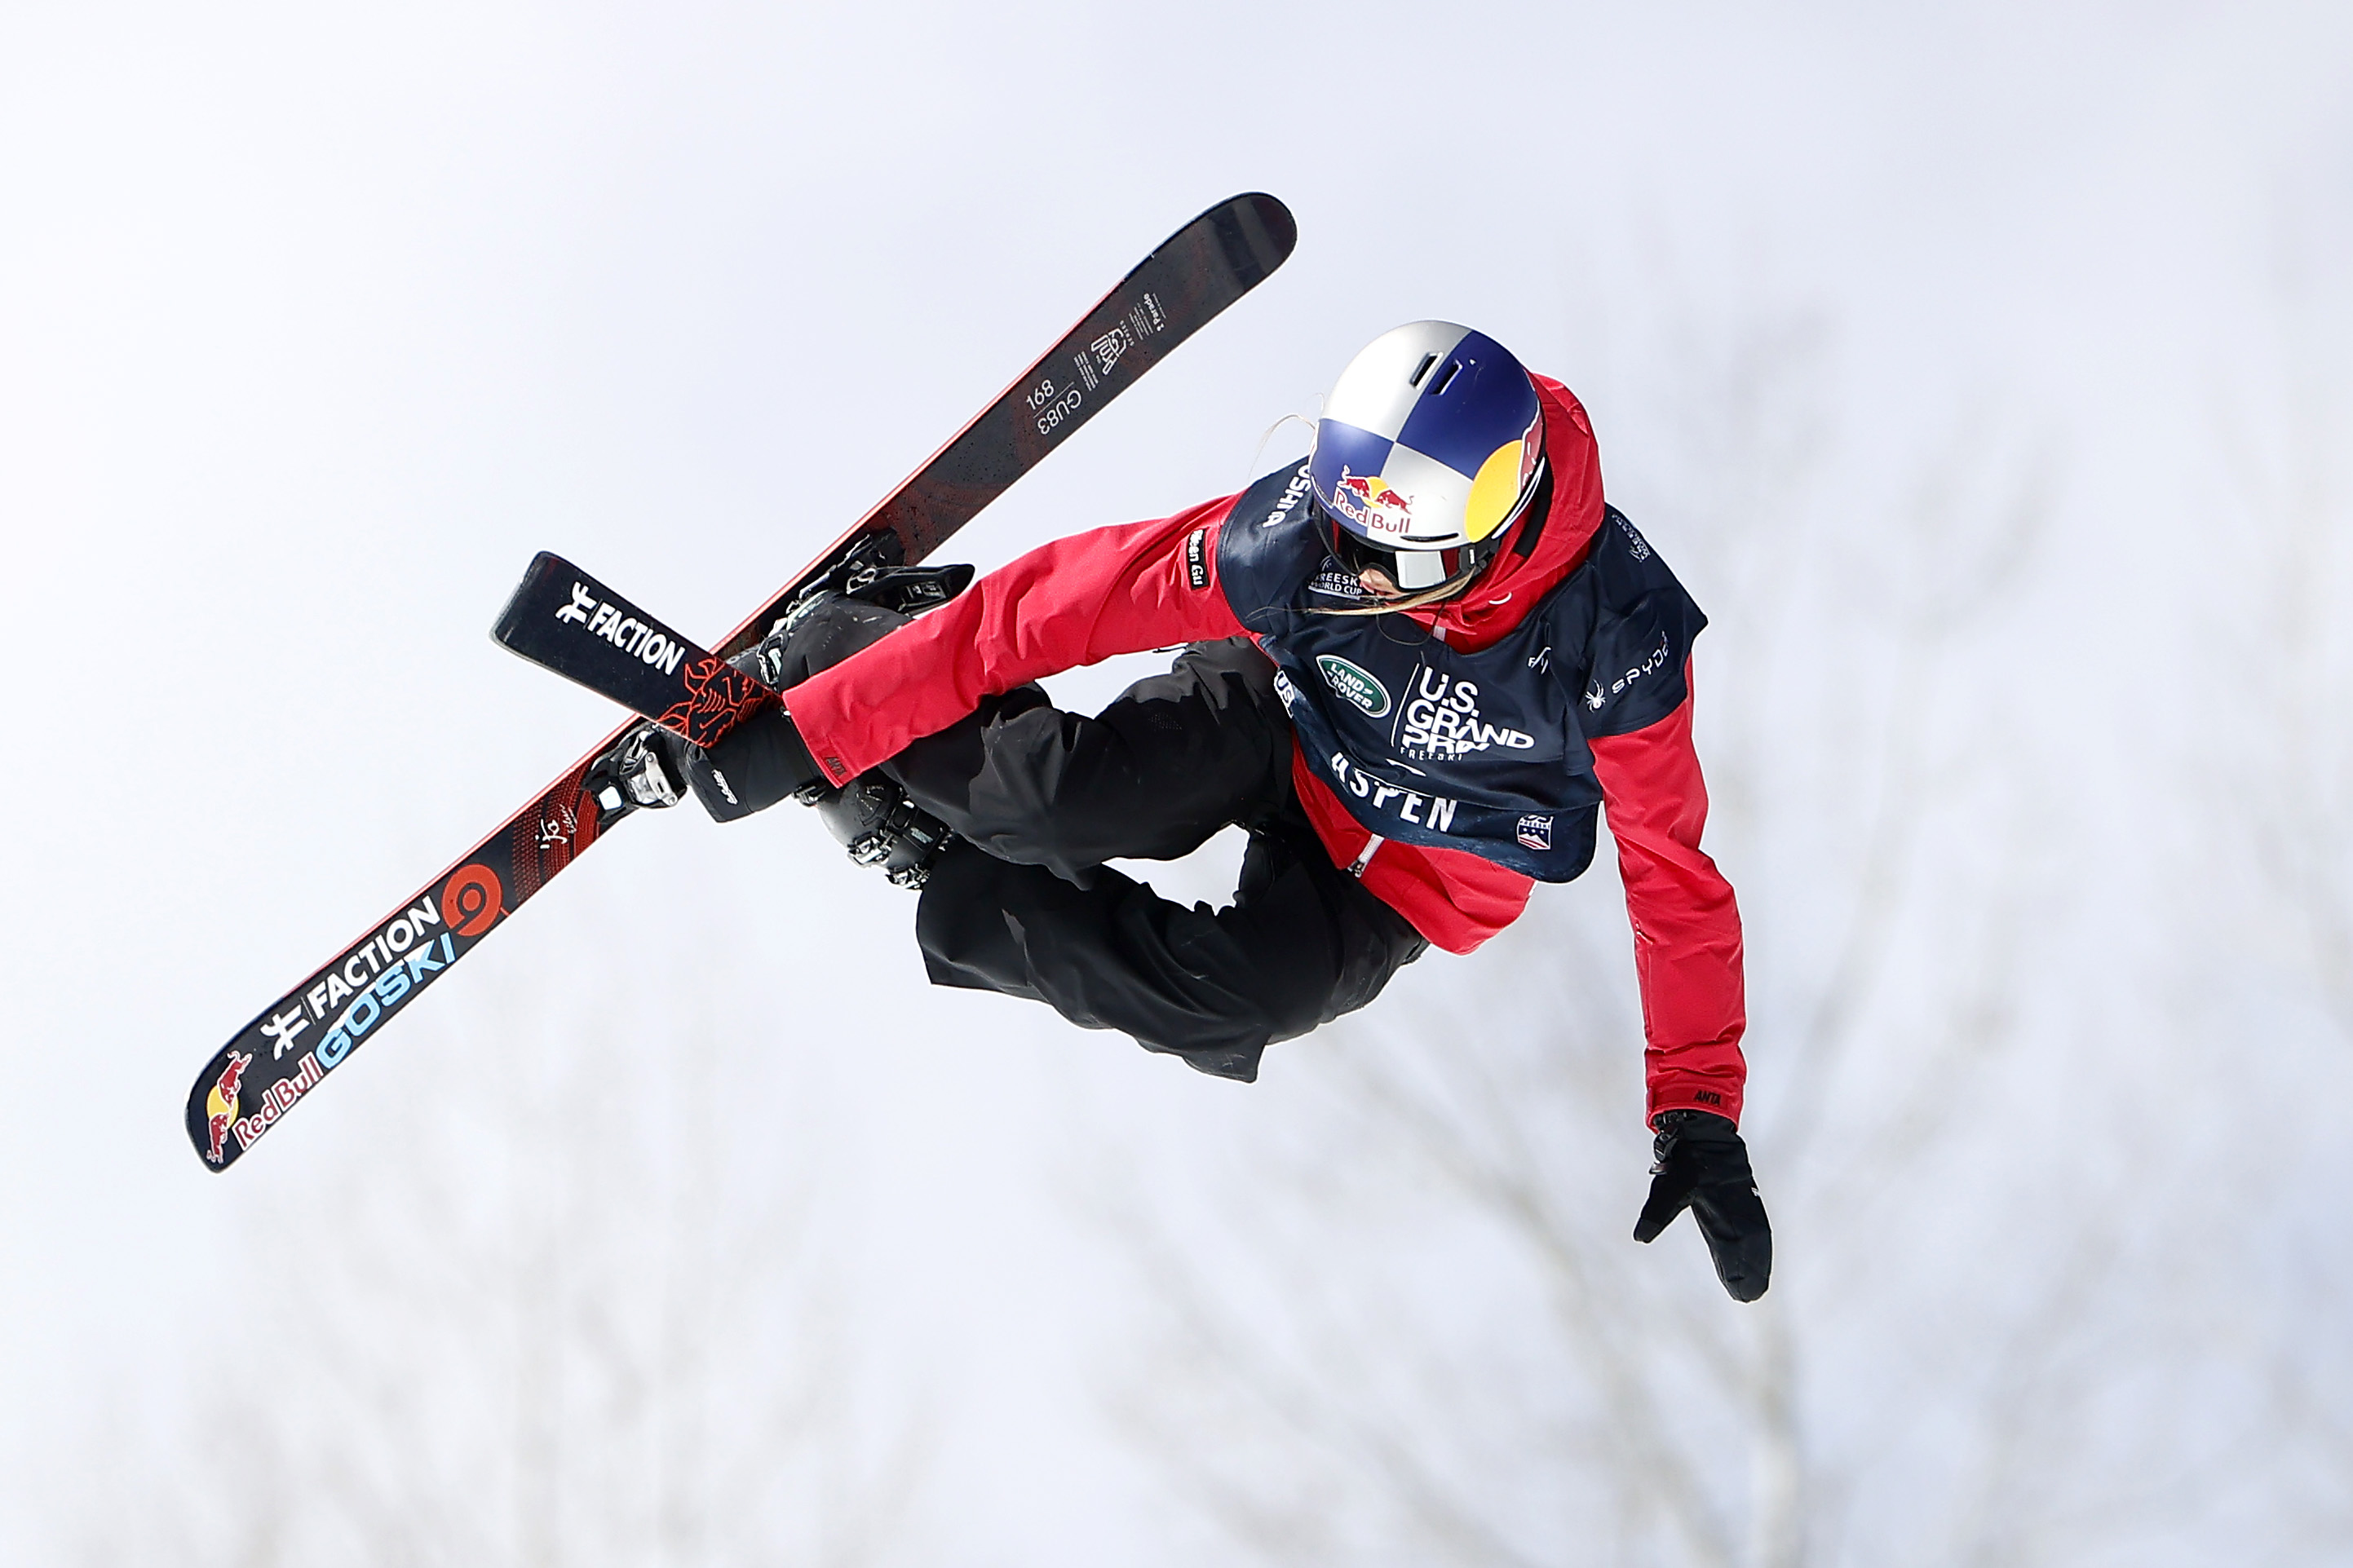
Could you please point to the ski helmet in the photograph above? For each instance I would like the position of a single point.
(1431, 447)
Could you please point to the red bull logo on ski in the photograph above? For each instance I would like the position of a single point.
(220, 1105)
(277, 1099)
(1372, 503)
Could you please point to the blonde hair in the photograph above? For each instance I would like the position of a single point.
(1444, 591)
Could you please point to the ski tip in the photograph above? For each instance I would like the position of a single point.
(1258, 230)
(1281, 228)
(213, 1106)
(543, 566)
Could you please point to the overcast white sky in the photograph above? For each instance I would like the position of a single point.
(316, 323)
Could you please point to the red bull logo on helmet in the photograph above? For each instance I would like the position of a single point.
(1368, 501)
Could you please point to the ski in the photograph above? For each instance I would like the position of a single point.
(562, 619)
(292, 1046)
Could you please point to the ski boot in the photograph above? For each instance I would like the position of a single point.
(870, 816)
(874, 820)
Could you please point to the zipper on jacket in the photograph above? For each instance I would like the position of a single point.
(1356, 866)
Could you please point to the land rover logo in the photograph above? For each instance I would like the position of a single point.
(1356, 683)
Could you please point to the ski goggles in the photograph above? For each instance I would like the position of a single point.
(1412, 571)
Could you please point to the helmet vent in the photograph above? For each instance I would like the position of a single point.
(1421, 370)
(1438, 388)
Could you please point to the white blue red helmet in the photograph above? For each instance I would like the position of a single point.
(1431, 447)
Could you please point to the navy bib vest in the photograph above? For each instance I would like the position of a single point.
(1480, 751)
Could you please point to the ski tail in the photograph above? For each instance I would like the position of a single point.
(564, 620)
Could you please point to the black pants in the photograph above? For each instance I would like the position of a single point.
(1025, 906)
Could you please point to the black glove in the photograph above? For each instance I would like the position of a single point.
(764, 759)
(1700, 1164)
(755, 766)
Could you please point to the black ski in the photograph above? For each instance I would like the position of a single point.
(562, 619)
(290, 1048)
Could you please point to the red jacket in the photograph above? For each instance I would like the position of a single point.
(1126, 589)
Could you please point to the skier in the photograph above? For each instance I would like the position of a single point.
(1415, 667)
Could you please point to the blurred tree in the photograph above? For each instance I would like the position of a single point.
(2276, 767)
(574, 1311)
